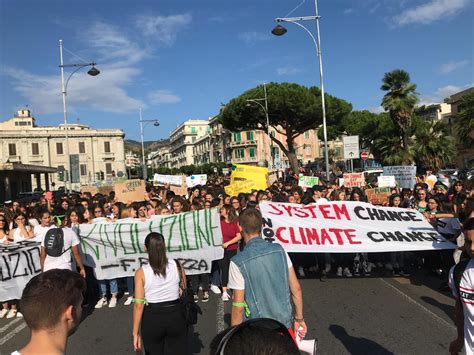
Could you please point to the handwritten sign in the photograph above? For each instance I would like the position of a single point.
(174, 180)
(386, 181)
(194, 180)
(378, 196)
(354, 180)
(348, 227)
(130, 191)
(180, 190)
(404, 175)
(307, 181)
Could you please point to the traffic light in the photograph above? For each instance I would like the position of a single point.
(101, 175)
(61, 175)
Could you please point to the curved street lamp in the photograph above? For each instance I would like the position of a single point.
(279, 30)
(156, 123)
(92, 72)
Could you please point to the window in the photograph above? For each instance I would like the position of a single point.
(82, 148)
(193, 129)
(239, 153)
(12, 149)
(59, 148)
(34, 148)
(250, 135)
(83, 168)
(306, 134)
(108, 168)
(107, 147)
(194, 139)
(252, 152)
(237, 137)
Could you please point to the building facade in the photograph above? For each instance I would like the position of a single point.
(91, 151)
(182, 141)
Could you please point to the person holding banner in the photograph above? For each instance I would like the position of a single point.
(156, 311)
(21, 229)
(4, 240)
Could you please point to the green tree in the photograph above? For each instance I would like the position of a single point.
(399, 101)
(464, 121)
(292, 109)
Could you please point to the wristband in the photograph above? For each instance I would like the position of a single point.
(140, 301)
(242, 305)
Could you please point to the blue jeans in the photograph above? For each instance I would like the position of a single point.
(215, 274)
(103, 287)
(130, 285)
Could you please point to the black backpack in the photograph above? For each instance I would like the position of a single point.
(54, 242)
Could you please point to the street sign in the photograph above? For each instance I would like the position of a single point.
(351, 147)
(364, 155)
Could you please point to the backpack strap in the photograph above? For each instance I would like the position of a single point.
(182, 276)
(457, 274)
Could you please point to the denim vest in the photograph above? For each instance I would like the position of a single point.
(265, 271)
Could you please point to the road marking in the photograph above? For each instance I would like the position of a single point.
(12, 333)
(434, 315)
(5, 327)
(220, 315)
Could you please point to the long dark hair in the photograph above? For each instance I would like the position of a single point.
(155, 245)
(231, 213)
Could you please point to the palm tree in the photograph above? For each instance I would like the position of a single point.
(399, 101)
(464, 121)
(434, 148)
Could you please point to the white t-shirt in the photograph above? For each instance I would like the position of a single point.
(236, 279)
(18, 237)
(322, 200)
(40, 232)
(64, 261)
(467, 299)
(162, 289)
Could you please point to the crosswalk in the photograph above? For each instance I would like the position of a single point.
(11, 329)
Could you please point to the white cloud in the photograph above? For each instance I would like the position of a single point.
(430, 12)
(378, 109)
(164, 29)
(452, 66)
(348, 11)
(441, 93)
(163, 97)
(288, 70)
(252, 37)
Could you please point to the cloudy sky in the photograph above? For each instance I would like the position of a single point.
(181, 59)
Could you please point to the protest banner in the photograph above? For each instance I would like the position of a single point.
(130, 191)
(244, 186)
(90, 189)
(348, 227)
(404, 175)
(19, 262)
(245, 178)
(174, 180)
(106, 189)
(354, 180)
(307, 181)
(386, 181)
(378, 196)
(241, 168)
(194, 180)
(117, 249)
(181, 190)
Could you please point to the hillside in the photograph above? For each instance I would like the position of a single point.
(150, 146)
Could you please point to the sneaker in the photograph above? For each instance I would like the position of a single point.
(347, 272)
(3, 312)
(300, 272)
(113, 302)
(327, 268)
(367, 268)
(102, 302)
(128, 301)
(205, 296)
(196, 298)
(19, 315)
(396, 272)
(339, 271)
(356, 268)
(225, 297)
(215, 289)
(404, 272)
(11, 313)
(200, 287)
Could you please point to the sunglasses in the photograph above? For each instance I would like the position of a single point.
(266, 323)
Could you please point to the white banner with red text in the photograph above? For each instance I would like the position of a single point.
(348, 227)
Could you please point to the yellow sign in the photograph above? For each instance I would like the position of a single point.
(245, 178)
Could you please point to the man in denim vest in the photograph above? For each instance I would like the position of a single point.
(263, 280)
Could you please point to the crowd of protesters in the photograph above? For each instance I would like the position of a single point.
(446, 208)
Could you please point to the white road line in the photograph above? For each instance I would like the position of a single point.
(220, 315)
(12, 333)
(14, 321)
(434, 315)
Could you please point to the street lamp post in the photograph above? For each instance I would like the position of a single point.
(156, 123)
(279, 30)
(265, 109)
(92, 72)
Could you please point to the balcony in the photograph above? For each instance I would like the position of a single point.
(243, 143)
(245, 160)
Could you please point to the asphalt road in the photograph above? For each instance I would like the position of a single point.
(374, 315)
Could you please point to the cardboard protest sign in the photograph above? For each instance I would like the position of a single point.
(194, 180)
(180, 190)
(19, 262)
(118, 249)
(130, 191)
(354, 180)
(386, 181)
(175, 180)
(404, 175)
(348, 227)
(89, 188)
(307, 181)
(378, 196)
(106, 189)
